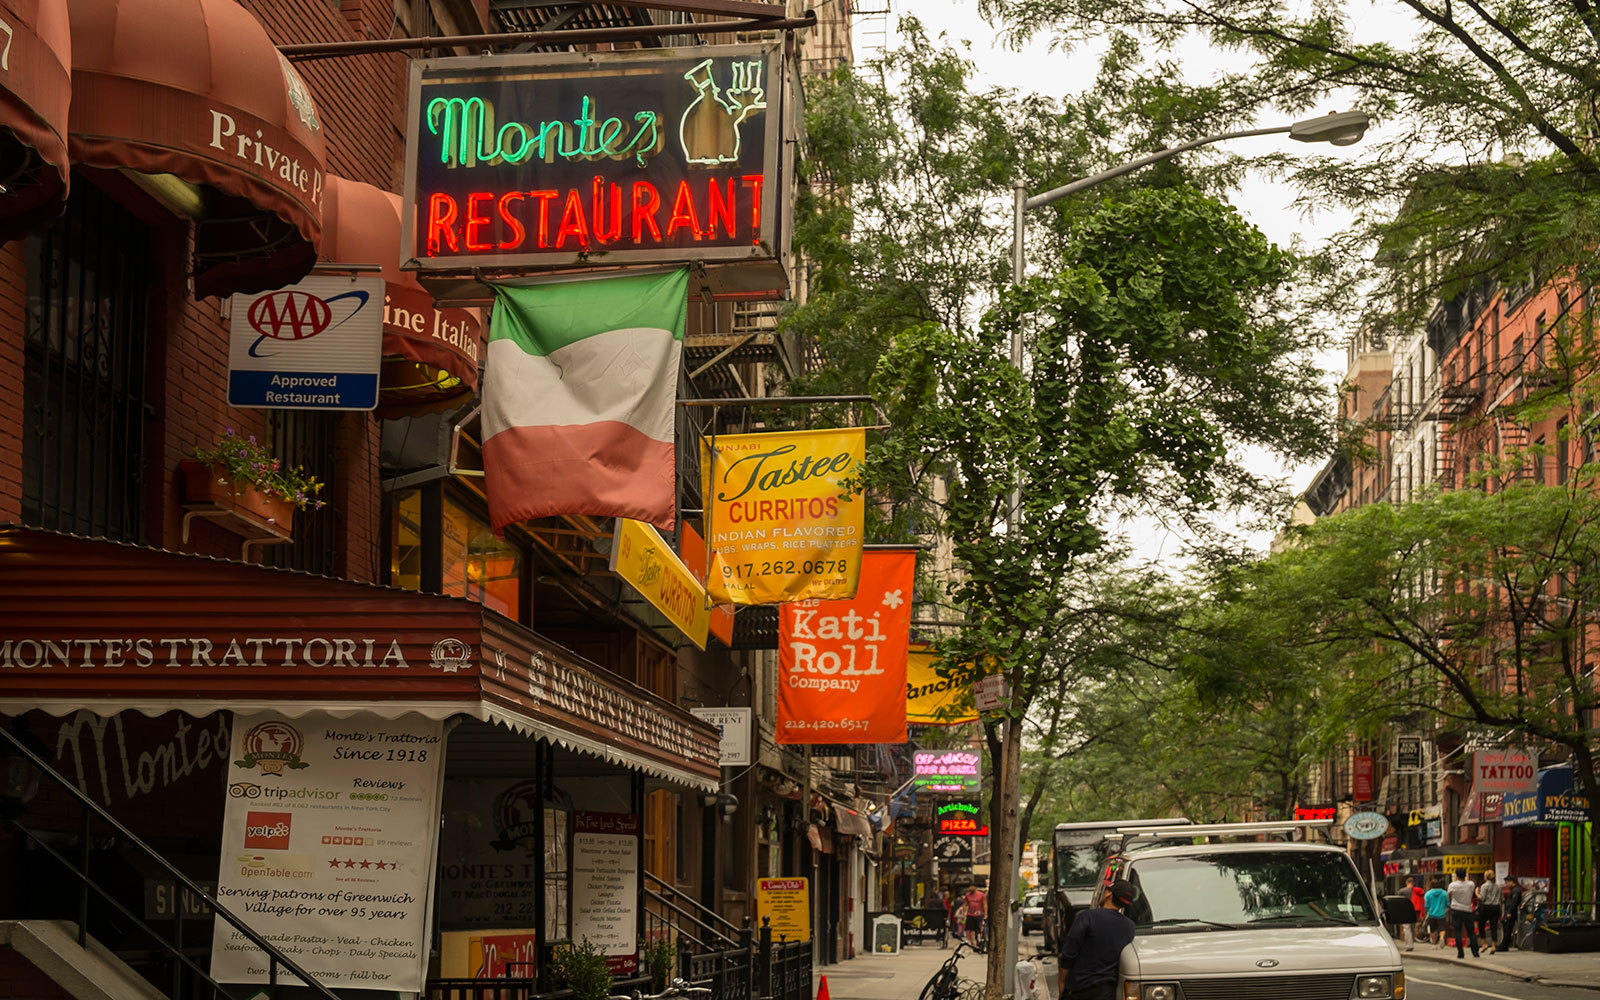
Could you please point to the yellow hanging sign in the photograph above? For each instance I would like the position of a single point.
(643, 558)
(780, 523)
(932, 700)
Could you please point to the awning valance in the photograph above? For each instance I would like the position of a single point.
(196, 89)
(430, 355)
(35, 90)
(109, 627)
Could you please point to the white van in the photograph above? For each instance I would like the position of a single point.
(1237, 921)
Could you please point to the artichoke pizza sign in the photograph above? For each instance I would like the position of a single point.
(594, 157)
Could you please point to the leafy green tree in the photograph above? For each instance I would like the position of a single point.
(1463, 83)
(1159, 341)
(1469, 609)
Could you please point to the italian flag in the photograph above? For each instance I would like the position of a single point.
(579, 386)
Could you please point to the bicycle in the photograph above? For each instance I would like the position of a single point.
(674, 988)
(947, 983)
(1538, 914)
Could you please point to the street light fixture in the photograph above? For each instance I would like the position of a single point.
(1339, 128)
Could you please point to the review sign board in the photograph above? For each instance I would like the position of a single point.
(315, 345)
(554, 159)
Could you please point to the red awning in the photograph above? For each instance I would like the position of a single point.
(196, 89)
(109, 627)
(430, 355)
(35, 89)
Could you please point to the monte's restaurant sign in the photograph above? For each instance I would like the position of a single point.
(555, 159)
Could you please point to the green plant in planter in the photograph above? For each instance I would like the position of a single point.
(582, 969)
(247, 462)
(658, 955)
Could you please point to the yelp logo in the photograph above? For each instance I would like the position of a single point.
(290, 314)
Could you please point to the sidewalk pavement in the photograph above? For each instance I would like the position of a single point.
(1578, 969)
(871, 976)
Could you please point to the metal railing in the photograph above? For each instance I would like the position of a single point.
(182, 964)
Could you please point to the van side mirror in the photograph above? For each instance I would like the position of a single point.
(1398, 910)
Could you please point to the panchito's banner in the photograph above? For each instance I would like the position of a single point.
(932, 700)
(644, 559)
(842, 664)
(782, 525)
(329, 846)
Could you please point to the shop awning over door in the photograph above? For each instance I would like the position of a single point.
(196, 89)
(35, 91)
(108, 627)
(430, 355)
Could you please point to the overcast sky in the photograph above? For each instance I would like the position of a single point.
(1036, 68)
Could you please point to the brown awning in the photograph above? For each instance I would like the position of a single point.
(109, 627)
(35, 89)
(430, 355)
(194, 88)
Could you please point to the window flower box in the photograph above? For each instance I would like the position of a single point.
(208, 485)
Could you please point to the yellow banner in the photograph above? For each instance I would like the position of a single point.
(643, 558)
(787, 902)
(780, 524)
(932, 700)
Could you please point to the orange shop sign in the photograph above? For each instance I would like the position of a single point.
(781, 522)
(842, 664)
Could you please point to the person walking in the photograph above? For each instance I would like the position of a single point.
(1092, 947)
(975, 901)
(1436, 903)
(1419, 928)
(1490, 895)
(1462, 893)
(1511, 909)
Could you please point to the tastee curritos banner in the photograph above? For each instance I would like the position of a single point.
(842, 664)
(329, 844)
(781, 524)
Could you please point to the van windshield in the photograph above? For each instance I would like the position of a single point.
(1077, 866)
(1238, 890)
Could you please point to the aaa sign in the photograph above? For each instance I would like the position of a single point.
(782, 524)
(842, 664)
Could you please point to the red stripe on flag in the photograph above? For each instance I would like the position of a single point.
(606, 469)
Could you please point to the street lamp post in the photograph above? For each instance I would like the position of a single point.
(1341, 128)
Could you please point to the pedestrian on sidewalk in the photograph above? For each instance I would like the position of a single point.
(975, 901)
(1436, 902)
(1092, 948)
(1463, 893)
(1511, 909)
(1419, 928)
(1490, 895)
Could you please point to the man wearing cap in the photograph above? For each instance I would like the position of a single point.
(1092, 947)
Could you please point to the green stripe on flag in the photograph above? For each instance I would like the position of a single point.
(542, 319)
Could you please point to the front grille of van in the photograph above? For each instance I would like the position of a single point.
(1334, 987)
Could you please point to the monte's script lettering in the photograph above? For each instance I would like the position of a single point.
(468, 136)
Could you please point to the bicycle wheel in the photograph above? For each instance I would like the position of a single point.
(941, 986)
(1523, 937)
(969, 989)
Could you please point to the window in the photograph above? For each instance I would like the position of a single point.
(85, 351)
(1562, 470)
(557, 877)
(308, 439)
(405, 540)
(1537, 460)
(477, 565)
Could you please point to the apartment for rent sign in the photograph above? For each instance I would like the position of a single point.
(782, 525)
(842, 664)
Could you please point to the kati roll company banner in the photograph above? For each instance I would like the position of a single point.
(782, 526)
(932, 700)
(842, 664)
(329, 844)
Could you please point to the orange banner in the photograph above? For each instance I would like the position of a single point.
(781, 522)
(842, 664)
(694, 556)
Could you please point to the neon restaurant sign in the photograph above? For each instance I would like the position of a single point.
(552, 160)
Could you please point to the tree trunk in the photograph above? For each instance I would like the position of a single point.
(1003, 861)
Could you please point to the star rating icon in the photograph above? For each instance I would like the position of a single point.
(362, 863)
(894, 598)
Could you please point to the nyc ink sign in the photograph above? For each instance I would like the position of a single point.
(550, 160)
(315, 345)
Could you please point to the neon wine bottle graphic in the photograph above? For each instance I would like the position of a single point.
(709, 129)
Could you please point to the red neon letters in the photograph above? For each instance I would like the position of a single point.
(585, 219)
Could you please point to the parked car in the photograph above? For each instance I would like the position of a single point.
(1226, 920)
(1033, 912)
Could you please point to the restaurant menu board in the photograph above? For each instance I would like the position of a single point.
(605, 885)
(328, 848)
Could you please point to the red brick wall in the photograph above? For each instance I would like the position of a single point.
(360, 105)
(20, 979)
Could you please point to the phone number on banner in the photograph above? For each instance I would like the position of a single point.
(804, 725)
(787, 567)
